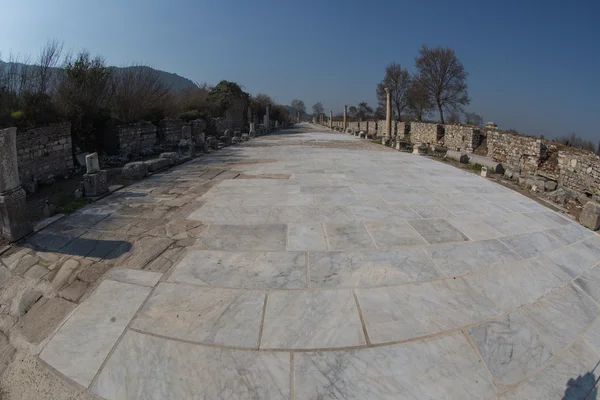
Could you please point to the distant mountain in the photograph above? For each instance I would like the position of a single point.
(175, 82)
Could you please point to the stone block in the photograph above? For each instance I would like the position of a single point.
(40, 322)
(92, 163)
(244, 136)
(170, 155)
(13, 215)
(590, 215)
(550, 186)
(158, 164)
(186, 132)
(95, 184)
(420, 149)
(135, 170)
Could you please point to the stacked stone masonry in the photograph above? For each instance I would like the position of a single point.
(169, 131)
(521, 152)
(44, 153)
(421, 132)
(461, 138)
(579, 170)
(132, 138)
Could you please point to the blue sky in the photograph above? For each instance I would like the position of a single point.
(533, 64)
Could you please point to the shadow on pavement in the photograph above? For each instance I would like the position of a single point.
(77, 246)
(582, 388)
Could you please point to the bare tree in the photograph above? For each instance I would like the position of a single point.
(454, 117)
(352, 112)
(574, 140)
(364, 110)
(472, 118)
(379, 112)
(138, 90)
(299, 106)
(397, 80)
(419, 102)
(45, 69)
(318, 109)
(443, 77)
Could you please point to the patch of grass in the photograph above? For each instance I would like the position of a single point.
(68, 205)
(476, 167)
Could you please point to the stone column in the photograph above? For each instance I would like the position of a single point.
(345, 116)
(298, 116)
(330, 119)
(388, 114)
(13, 207)
(267, 116)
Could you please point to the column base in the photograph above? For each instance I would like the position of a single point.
(13, 215)
(95, 185)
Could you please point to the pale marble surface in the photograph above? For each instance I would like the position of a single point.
(268, 237)
(461, 258)
(235, 215)
(441, 368)
(353, 269)
(437, 231)
(80, 346)
(148, 367)
(566, 377)
(135, 276)
(574, 259)
(518, 283)
(302, 214)
(251, 269)
(419, 309)
(311, 320)
(229, 317)
(393, 235)
(347, 236)
(571, 233)
(590, 283)
(307, 236)
(561, 316)
(382, 213)
(474, 228)
(510, 347)
(431, 211)
(532, 244)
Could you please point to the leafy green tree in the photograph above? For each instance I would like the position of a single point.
(221, 96)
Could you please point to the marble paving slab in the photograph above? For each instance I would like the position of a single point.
(80, 346)
(347, 236)
(510, 347)
(461, 258)
(311, 320)
(436, 231)
(251, 269)
(148, 367)
(267, 237)
(404, 312)
(229, 317)
(561, 316)
(355, 269)
(429, 369)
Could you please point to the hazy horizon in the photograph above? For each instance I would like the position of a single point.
(531, 66)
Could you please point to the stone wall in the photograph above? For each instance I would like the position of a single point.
(132, 138)
(44, 153)
(402, 129)
(354, 125)
(421, 132)
(520, 152)
(169, 131)
(461, 138)
(372, 129)
(579, 170)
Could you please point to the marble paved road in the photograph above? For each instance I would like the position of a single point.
(328, 267)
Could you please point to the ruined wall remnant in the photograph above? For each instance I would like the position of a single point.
(132, 138)
(462, 138)
(579, 170)
(169, 131)
(44, 152)
(354, 126)
(520, 152)
(421, 132)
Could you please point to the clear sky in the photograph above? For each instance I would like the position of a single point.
(533, 64)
